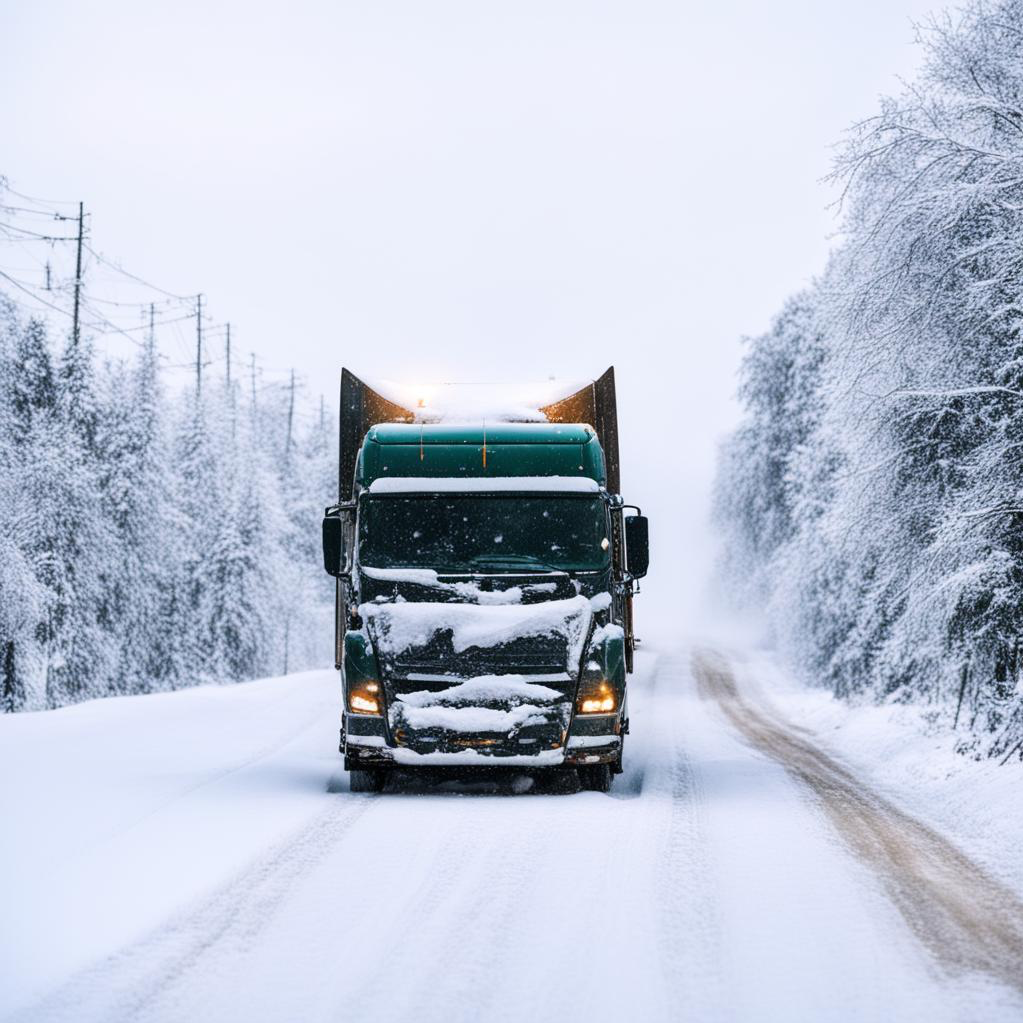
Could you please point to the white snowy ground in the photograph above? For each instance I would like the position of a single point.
(197, 856)
(907, 758)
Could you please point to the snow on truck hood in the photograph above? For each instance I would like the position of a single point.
(405, 625)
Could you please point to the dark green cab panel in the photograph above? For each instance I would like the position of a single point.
(605, 658)
(512, 449)
(360, 660)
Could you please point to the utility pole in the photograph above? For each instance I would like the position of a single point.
(227, 384)
(49, 286)
(291, 413)
(152, 323)
(78, 274)
(198, 343)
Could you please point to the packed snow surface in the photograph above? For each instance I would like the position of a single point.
(198, 856)
(483, 484)
(401, 626)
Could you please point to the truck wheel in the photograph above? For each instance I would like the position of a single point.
(560, 781)
(366, 779)
(596, 777)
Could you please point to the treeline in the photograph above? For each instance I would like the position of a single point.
(872, 499)
(151, 540)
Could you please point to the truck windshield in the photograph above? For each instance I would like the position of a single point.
(474, 533)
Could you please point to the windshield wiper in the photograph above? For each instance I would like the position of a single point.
(509, 560)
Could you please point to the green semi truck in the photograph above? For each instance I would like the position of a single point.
(485, 574)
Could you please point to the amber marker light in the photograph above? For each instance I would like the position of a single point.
(365, 699)
(597, 700)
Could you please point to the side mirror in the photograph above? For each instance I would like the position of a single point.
(334, 553)
(637, 545)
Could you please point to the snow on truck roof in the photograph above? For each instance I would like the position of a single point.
(483, 485)
(391, 434)
(505, 401)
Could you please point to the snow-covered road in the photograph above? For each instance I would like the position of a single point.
(197, 856)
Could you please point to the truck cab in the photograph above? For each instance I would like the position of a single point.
(485, 575)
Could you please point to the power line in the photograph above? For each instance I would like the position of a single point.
(124, 331)
(100, 319)
(132, 305)
(83, 313)
(27, 209)
(32, 294)
(36, 235)
(6, 186)
(120, 269)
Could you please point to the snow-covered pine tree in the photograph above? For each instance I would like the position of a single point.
(197, 503)
(135, 481)
(27, 397)
(82, 560)
(148, 543)
(246, 566)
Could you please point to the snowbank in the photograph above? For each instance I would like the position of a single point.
(119, 812)
(911, 761)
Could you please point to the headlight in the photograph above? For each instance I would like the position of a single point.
(596, 698)
(365, 699)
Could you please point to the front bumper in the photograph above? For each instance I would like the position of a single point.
(365, 742)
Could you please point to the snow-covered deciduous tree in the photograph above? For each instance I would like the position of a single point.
(890, 548)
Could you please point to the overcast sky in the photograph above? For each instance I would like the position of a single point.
(472, 190)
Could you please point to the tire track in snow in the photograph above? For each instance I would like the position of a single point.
(682, 868)
(470, 908)
(131, 984)
(428, 903)
(968, 921)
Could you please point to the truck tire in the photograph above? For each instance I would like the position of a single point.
(366, 779)
(560, 781)
(617, 767)
(596, 777)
